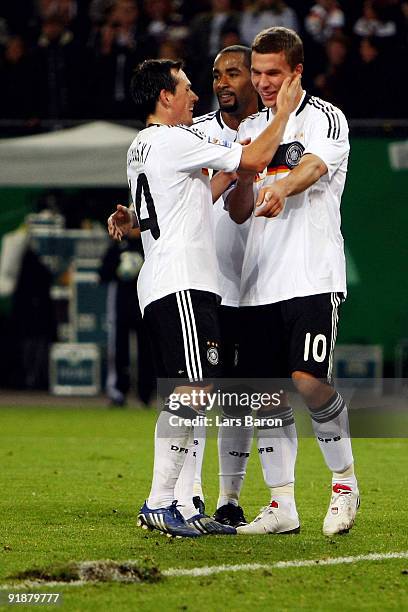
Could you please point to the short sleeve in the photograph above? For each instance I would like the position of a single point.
(193, 150)
(328, 138)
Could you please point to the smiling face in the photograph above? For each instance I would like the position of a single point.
(183, 100)
(232, 82)
(268, 71)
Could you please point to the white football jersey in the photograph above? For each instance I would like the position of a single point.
(301, 251)
(230, 238)
(172, 198)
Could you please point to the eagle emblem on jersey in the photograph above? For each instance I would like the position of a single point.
(294, 152)
(212, 355)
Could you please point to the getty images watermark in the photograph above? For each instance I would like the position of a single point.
(238, 401)
(377, 407)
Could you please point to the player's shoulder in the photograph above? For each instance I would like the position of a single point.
(202, 120)
(135, 142)
(321, 105)
(174, 134)
(169, 132)
(181, 131)
(318, 108)
(262, 117)
(149, 133)
(213, 125)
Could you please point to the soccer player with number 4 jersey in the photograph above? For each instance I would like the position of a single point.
(294, 280)
(178, 284)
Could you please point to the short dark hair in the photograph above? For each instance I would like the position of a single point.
(148, 80)
(275, 40)
(245, 52)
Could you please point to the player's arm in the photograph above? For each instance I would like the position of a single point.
(122, 221)
(240, 201)
(220, 183)
(257, 154)
(271, 200)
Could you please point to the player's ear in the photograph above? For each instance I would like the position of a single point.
(299, 69)
(165, 98)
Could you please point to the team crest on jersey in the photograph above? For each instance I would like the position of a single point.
(212, 355)
(217, 141)
(293, 154)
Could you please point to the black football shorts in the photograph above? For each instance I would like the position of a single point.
(293, 335)
(185, 337)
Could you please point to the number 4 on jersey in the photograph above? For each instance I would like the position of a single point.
(149, 223)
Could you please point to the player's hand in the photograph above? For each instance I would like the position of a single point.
(120, 222)
(270, 201)
(289, 94)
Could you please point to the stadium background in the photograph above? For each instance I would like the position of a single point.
(65, 63)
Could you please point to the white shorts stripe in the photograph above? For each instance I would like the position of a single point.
(200, 370)
(335, 301)
(183, 327)
(189, 335)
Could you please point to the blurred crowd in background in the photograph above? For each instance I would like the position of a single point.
(72, 59)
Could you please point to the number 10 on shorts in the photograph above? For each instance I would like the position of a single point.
(319, 347)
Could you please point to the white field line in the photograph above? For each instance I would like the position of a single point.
(36, 584)
(218, 569)
(196, 572)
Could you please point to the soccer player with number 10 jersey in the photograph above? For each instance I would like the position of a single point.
(294, 280)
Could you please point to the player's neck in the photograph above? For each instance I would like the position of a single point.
(157, 119)
(232, 120)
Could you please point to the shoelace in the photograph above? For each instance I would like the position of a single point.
(173, 509)
(261, 513)
(341, 499)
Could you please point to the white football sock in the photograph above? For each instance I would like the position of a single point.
(331, 426)
(347, 478)
(170, 450)
(186, 487)
(285, 496)
(234, 446)
(277, 448)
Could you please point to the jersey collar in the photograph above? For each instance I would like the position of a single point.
(219, 118)
(303, 101)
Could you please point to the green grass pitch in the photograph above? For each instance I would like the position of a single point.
(72, 480)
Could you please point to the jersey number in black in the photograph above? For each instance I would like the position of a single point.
(151, 222)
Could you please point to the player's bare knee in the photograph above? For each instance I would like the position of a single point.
(278, 400)
(314, 391)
